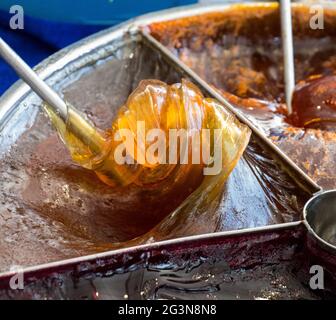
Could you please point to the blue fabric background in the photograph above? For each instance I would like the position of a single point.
(40, 38)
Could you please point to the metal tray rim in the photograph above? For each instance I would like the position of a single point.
(151, 246)
(282, 157)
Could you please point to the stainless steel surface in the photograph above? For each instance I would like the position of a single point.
(287, 46)
(320, 218)
(32, 79)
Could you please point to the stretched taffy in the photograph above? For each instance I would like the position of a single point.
(162, 133)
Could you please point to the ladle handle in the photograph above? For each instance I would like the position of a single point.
(33, 80)
(288, 51)
(81, 128)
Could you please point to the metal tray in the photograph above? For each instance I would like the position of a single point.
(267, 222)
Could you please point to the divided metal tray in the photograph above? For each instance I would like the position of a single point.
(258, 249)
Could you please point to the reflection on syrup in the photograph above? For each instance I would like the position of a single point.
(314, 103)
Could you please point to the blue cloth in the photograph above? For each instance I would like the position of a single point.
(103, 12)
(41, 38)
(38, 40)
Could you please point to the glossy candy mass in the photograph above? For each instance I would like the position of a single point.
(156, 105)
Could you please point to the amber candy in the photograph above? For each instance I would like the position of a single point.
(155, 105)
